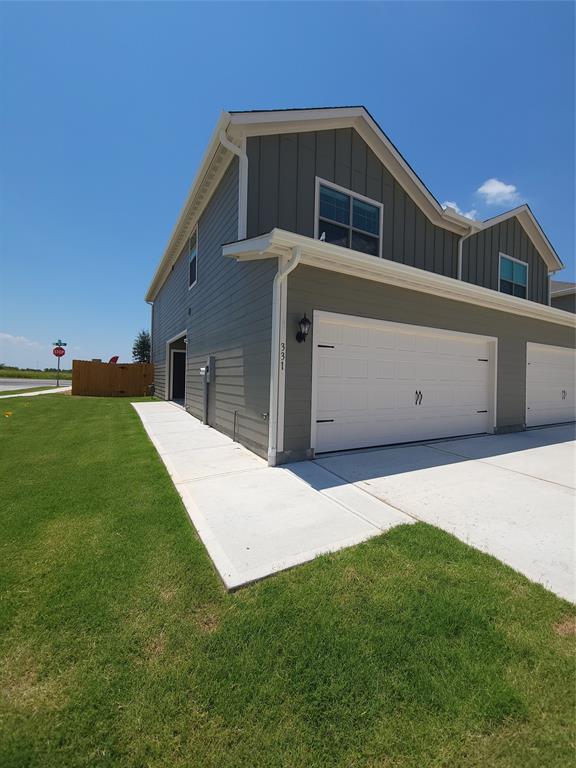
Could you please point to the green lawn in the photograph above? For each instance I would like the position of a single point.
(26, 373)
(121, 648)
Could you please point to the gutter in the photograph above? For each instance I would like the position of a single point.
(285, 266)
(278, 243)
(240, 152)
(472, 231)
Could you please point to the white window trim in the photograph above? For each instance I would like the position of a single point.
(194, 233)
(351, 194)
(518, 261)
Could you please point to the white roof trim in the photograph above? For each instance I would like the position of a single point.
(563, 291)
(243, 124)
(534, 232)
(323, 255)
(199, 194)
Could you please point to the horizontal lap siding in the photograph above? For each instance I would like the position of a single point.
(480, 258)
(281, 190)
(310, 289)
(230, 319)
(169, 317)
(567, 303)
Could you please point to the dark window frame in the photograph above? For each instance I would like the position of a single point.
(512, 287)
(349, 227)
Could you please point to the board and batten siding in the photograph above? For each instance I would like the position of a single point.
(480, 258)
(228, 315)
(282, 170)
(310, 288)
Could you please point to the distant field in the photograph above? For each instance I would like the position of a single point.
(25, 373)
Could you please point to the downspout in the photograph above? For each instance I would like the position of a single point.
(240, 152)
(284, 269)
(460, 244)
(151, 303)
(550, 288)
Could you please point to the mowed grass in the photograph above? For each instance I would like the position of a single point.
(120, 647)
(27, 373)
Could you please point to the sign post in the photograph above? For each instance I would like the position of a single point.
(58, 352)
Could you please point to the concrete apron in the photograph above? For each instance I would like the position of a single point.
(253, 519)
(511, 496)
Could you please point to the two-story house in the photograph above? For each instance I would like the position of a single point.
(315, 296)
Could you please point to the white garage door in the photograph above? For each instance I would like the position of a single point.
(550, 391)
(376, 383)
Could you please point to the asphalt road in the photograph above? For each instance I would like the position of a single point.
(7, 385)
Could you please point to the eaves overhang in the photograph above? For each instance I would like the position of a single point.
(315, 253)
(215, 161)
(563, 292)
(240, 125)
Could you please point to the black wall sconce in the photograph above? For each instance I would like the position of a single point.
(305, 326)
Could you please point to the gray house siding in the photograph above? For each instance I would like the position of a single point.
(169, 317)
(480, 258)
(227, 314)
(310, 289)
(567, 303)
(281, 186)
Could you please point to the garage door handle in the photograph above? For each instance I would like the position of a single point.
(324, 421)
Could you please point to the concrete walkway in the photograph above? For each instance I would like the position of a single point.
(53, 391)
(253, 519)
(511, 496)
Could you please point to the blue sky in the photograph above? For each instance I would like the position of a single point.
(107, 109)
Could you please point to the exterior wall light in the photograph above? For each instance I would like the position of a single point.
(305, 326)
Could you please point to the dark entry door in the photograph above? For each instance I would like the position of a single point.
(178, 374)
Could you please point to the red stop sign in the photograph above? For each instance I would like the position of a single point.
(59, 351)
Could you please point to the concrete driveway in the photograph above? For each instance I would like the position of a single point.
(509, 495)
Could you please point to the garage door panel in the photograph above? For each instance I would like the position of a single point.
(550, 384)
(392, 384)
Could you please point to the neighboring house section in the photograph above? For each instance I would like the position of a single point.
(315, 296)
(563, 295)
(489, 258)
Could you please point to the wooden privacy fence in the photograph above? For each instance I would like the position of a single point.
(111, 379)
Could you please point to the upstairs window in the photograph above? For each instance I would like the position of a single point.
(513, 276)
(193, 260)
(349, 220)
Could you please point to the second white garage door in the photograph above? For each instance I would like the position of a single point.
(376, 383)
(550, 392)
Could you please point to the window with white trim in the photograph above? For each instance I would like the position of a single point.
(348, 219)
(193, 259)
(513, 276)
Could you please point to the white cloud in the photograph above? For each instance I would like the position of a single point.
(496, 192)
(471, 214)
(18, 341)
